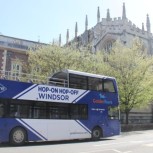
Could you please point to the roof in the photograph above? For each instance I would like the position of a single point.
(67, 71)
(23, 39)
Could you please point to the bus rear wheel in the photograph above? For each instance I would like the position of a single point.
(18, 136)
(96, 133)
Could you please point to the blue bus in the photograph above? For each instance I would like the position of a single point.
(71, 105)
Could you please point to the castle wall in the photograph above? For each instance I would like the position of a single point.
(116, 29)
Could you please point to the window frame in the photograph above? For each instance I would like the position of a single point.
(113, 86)
(76, 84)
(42, 110)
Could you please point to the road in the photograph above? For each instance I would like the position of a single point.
(130, 142)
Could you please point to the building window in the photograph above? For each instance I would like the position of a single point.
(108, 46)
(16, 69)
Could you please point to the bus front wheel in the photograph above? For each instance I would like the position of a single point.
(18, 136)
(96, 133)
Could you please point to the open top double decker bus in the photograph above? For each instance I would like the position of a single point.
(71, 105)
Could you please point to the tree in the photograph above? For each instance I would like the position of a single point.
(132, 68)
(46, 60)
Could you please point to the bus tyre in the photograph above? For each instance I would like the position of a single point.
(96, 133)
(18, 136)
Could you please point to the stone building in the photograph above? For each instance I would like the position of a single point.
(107, 30)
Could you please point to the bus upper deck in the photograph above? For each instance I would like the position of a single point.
(66, 78)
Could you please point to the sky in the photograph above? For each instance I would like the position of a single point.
(44, 20)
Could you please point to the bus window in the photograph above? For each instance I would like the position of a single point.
(74, 112)
(78, 111)
(14, 110)
(113, 113)
(83, 111)
(78, 81)
(18, 109)
(39, 110)
(54, 112)
(25, 111)
(58, 111)
(64, 111)
(108, 86)
(94, 84)
(1, 109)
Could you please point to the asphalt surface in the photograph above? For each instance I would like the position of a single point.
(129, 142)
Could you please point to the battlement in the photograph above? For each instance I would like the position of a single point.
(116, 25)
(117, 28)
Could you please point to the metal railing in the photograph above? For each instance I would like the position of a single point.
(138, 118)
(26, 77)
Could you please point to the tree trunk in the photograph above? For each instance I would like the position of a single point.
(127, 117)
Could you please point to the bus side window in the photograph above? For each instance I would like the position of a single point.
(1, 109)
(12, 110)
(39, 110)
(99, 86)
(94, 84)
(25, 109)
(83, 111)
(113, 112)
(78, 81)
(108, 86)
(78, 111)
(74, 112)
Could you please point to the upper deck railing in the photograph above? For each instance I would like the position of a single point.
(30, 78)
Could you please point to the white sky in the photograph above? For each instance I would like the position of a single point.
(46, 19)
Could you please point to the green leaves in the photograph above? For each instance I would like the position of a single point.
(131, 66)
(52, 58)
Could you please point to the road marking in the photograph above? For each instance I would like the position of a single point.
(94, 151)
(149, 145)
(136, 141)
(109, 144)
(120, 151)
(117, 151)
